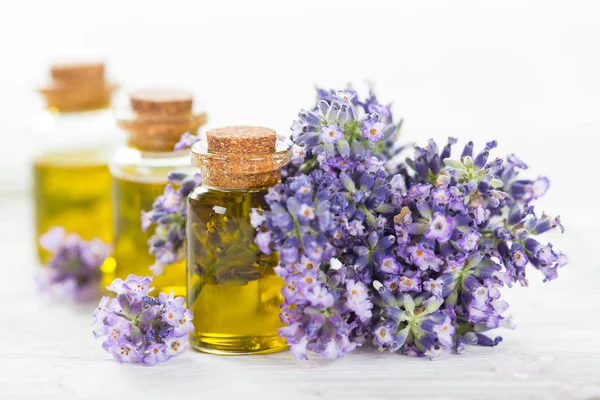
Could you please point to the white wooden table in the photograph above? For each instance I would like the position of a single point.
(47, 350)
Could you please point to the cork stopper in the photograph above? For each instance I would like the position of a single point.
(78, 87)
(240, 157)
(77, 73)
(161, 102)
(241, 140)
(158, 118)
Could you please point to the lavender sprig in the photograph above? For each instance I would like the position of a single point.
(169, 213)
(411, 262)
(73, 271)
(138, 328)
(352, 120)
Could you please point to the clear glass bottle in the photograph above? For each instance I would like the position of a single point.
(75, 136)
(154, 123)
(232, 288)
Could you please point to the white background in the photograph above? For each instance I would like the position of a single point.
(524, 72)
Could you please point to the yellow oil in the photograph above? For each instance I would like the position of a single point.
(72, 190)
(131, 244)
(232, 289)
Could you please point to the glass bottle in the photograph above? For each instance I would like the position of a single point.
(154, 123)
(74, 138)
(232, 288)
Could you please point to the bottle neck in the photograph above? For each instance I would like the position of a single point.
(78, 109)
(134, 165)
(157, 155)
(233, 175)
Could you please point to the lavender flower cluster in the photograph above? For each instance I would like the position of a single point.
(169, 215)
(409, 257)
(73, 270)
(138, 328)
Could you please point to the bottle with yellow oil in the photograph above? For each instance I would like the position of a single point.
(154, 123)
(75, 136)
(232, 288)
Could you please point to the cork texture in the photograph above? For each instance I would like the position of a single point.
(240, 157)
(78, 87)
(159, 119)
(76, 73)
(82, 99)
(241, 140)
(161, 102)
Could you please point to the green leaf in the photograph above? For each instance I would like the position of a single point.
(385, 208)
(496, 183)
(347, 182)
(454, 163)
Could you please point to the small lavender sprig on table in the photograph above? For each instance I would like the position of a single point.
(138, 328)
(73, 271)
(410, 257)
(169, 215)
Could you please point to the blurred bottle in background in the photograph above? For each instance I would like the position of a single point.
(74, 138)
(154, 123)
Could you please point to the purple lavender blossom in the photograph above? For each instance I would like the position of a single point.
(373, 131)
(319, 297)
(186, 141)
(389, 265)
(169, 215)
(409, 284)
(469, 240)
(73, 271)
(138, 328)
(434, 286)
(346, 96)
(298, 154)
(411, 257)
(440, 228)
(358, 300)
(331, 134)
(263, 240)
(424, 258)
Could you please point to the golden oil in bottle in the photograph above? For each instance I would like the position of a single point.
(72, 190)
(154, 125)
(233, 291)
(70, 170)
(131, 244)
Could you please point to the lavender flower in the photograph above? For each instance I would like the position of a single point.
(373, 130)
(186, 141)
(168, 214)
(138, 328)
(408, 257)
(440, 228)
(73, 270)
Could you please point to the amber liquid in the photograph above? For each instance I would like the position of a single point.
(131, 244)
(72, 190)
(232, 289)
